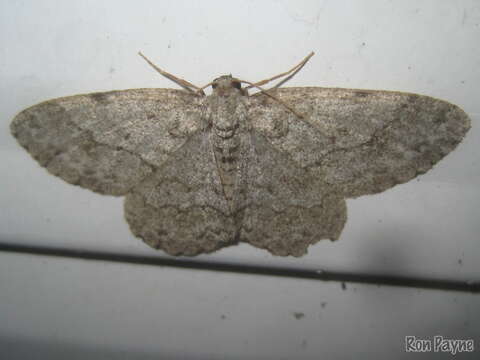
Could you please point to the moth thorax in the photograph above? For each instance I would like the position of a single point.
(227, 115)
(225, 130)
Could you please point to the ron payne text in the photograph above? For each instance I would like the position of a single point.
(438, 344)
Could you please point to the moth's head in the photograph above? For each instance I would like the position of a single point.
(227, 85)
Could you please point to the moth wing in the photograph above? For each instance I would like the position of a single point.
(107, 142)
(360, 141)
(180, 208)
(287, 207)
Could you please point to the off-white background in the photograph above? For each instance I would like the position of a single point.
(430, 227)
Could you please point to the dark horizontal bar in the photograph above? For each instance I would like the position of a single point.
(343, 277)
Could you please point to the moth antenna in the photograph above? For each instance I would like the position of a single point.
(205, 86)
(181, 82)
(295, 70)
(265, 92)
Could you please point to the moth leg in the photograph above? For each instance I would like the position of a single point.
(266, 93)
(181, 82)
(295, 70)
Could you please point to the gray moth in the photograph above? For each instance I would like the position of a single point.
(272, 169)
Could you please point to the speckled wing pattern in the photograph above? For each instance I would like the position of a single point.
(360, 141)
(181, 207)
(277, 206)
(108, 142)
(287, 208)
(250, 171)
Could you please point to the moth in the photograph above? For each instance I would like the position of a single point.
(272, 169)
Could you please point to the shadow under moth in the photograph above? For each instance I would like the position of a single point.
(272, 169)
